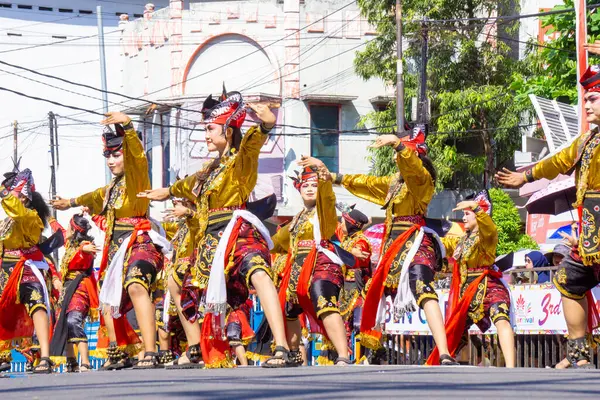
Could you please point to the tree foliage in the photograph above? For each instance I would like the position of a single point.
(554, 66)
(474, 121)
(507, 220)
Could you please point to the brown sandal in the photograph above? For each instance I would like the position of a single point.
(46, 368)
(285, 356)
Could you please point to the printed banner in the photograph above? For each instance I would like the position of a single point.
(537, 309)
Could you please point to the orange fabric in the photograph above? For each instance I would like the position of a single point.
(339, 232)
(285, 281)
(456, 323)
(375, 291)
(215, 348)
(124, 333)
(143, 226)
(14, 321)
(91, 287)
(247, 331)
(454, 295)
(303, 297)
(81, 261)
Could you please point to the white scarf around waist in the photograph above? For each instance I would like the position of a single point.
(112, 287)
(215, 300)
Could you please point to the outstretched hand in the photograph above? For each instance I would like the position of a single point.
(161, 194)
(60, 204)
(569, 240)
(466, 205)
(178, 211)
(510, 179)
(89, 247)
(264, 113)
(307, 161)
(116, 118)
(593, 48)
(384, 140)
(358, 253)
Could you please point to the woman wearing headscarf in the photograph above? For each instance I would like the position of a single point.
(536, 259)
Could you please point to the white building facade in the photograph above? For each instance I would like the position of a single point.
(58, 38)
(297, 55)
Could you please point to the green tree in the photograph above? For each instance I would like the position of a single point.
(553, 67)
(507, 219)
(474, 116)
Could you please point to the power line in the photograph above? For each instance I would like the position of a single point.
(313, 64)
(54, 43)
(255, 51)
(60, 65)
(97, 89)
(92, 14)
(152, 102)
(212, 70)
(52, 86)
(310, 47)
(18, 28)
(504, 18)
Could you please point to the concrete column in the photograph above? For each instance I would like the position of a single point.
(175, 39)
(291, 80)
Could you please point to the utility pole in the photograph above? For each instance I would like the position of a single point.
(423, 103)
(15, 141)
(103, 73)
(52, 160)
(399, 77)
(53, 164)
(56, 141)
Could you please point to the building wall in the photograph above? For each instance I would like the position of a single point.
(530, 27)
(240, 43)
(81, 163)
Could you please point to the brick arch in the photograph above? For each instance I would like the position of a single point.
(270, 55)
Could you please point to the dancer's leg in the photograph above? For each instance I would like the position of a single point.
(507, 342)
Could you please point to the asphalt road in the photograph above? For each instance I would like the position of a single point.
(373, 382)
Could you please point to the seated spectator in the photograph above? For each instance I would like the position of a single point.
(555, 257)
(536, 259)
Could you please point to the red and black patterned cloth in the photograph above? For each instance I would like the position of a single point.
(424, 265)
(251, 254)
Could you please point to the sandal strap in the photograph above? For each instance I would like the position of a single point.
(193, 353)
(281, 349)
(344, 360)
(48, 360)
(285, 353)
(448, 358)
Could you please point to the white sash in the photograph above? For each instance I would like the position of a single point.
(112, 287)
(215, 300)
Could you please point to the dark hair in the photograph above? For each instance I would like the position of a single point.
(428, 164)
(236, 137)
(38, 204)
(79, 237)
(352, 229)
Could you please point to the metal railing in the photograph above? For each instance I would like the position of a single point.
(533, 351)
(525, 276)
